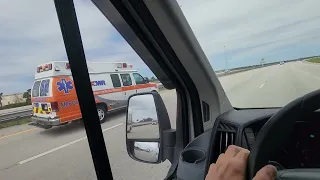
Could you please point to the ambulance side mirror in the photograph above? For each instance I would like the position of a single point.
(149, 137)
(146, 80)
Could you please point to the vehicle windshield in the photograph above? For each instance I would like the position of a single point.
(265, 53)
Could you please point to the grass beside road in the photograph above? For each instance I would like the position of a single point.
(314, 60)
(15, 122)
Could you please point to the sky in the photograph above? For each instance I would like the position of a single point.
(142, 107)
(246, 31)
(241, 32)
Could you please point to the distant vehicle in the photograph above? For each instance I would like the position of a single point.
(160, 86)
(154, 123)
(281, 63)
(129, 122)
(54, 97)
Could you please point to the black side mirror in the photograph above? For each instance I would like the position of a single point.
(146, 80)
(148, 129)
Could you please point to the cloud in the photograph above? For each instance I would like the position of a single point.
(30, 35)
(141, 107)
(249, 30)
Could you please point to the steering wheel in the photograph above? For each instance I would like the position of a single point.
(276, 131)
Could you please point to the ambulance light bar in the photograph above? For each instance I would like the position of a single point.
(67, 66)
(46, 67)
(124, 65)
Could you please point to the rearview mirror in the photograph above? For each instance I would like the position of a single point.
(146, 124)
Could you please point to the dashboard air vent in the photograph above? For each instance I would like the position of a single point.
(227, 127)
(226, 135)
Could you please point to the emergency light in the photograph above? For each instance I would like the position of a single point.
(124, 65)
(67, 66)
(119, 65)
(46, 67)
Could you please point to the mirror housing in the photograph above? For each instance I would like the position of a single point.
(146, 80)
(149, 137)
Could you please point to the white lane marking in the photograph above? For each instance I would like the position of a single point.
(262, 85)
(50, 151)
(62, 146)
(107, 129)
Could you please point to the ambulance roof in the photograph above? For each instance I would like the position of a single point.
(62, 68)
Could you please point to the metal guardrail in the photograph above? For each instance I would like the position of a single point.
(10, 116)
(246, 68)
(241, 69)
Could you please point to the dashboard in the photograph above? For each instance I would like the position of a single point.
(241, 127)
(302, 148)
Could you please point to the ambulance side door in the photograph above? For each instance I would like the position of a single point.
(117, 94)
(141, 84)
(127, 84)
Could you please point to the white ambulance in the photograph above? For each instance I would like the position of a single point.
(54, 97)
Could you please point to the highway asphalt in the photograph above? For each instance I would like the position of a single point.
(273, 86)
(148, 130)
(63, 153)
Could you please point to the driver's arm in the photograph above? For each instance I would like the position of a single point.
(232, 164)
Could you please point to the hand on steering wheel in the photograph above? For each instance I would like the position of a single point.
(232, 165)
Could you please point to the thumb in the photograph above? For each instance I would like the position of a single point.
(268, 172)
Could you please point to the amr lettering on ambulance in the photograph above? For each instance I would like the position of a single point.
(54, 97)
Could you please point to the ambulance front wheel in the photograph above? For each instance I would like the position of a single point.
(102, 113)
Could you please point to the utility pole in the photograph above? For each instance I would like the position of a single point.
(262, 62)
(225, 56)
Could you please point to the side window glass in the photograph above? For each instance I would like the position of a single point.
(115, 80)
(138, 78)
(126, 79)
(35, 89)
